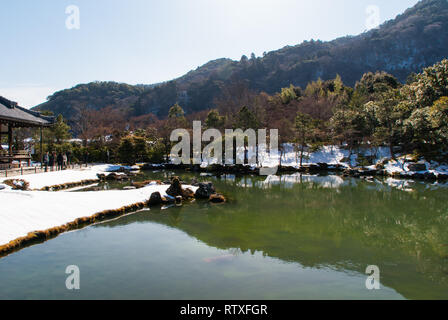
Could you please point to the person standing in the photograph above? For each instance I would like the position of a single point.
(69, 156)
(86, 158)
(60, 160)
(46, 160)
(52, 160)
(64, 161)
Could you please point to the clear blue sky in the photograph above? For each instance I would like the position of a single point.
(148, 41)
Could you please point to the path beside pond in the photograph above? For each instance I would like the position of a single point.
(47, 179)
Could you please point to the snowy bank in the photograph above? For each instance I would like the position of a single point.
(47, 179)
(25, 212)
(376, 160)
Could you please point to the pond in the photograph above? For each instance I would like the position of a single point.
(281, 237)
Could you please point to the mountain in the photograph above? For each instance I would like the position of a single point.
(413, 40)
(93, 96)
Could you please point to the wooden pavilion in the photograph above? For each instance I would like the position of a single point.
(13, 116)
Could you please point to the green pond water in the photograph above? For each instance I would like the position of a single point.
(288, 237)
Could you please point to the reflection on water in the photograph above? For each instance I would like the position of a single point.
(289, 237)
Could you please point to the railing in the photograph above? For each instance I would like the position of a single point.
(11, 172)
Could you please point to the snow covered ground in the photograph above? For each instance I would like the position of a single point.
(46, 179)
(290, 158)
(331, 155)
(336, 155)
(28, 211)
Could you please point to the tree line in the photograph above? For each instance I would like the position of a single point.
(410, 118)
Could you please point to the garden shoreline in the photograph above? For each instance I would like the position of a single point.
(320, 168)
(29, 217)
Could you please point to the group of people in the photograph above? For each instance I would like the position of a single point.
(59, 160)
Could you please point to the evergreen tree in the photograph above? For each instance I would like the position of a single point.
(245, 119)
(304, 128)
(176, 111)
(60, 131)
(383, 119)
(214, 120)
(126, 151)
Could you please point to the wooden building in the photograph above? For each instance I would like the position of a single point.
(13, 116)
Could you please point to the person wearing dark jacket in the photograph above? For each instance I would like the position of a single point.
(52, 160)
(69, 157)
(60, 160)
(86, 158)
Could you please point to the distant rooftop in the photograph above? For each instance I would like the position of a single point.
(11, 112)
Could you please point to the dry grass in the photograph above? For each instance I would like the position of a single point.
(17, 184)
(69, 185)
(145, 183)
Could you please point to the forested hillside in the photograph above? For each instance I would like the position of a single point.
(416, 39)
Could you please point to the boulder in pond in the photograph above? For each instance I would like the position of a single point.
(176, 188)
(155, 199)
(205, 190)
(116, 176)
(430, 176)
(217, 198)
(417, 167)
(323, 165)
(194, 182)
(187, 194)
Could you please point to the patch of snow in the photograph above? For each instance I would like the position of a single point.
(393, 166)
(27, 211)
(290, 157)
(46, 179)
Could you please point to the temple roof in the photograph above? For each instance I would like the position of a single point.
(10, 112)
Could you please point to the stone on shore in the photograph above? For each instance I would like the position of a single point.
(417, 167)
(155, 199)
(205, 190)
(176, 188)
(187, 194)
(217, 198)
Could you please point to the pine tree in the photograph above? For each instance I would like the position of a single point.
(60, 130)
(214, 120)
(304, 126)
